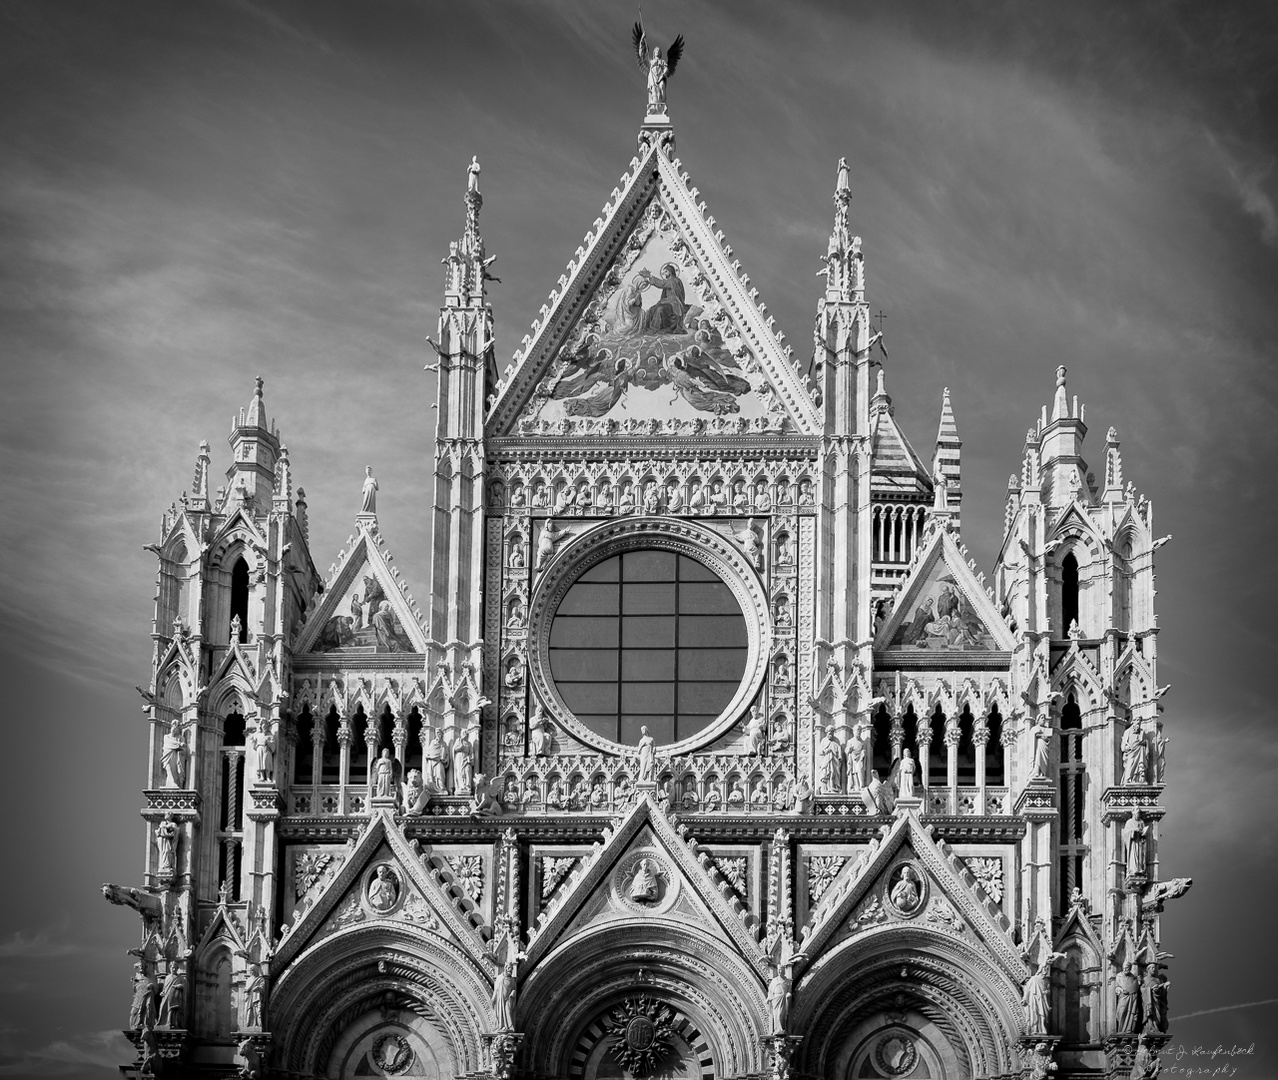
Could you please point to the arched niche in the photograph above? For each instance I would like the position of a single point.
(330, 1004)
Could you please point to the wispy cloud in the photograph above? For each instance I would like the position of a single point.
(40, 945)
(72, 1055)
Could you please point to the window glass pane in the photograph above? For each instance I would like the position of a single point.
(576, 632)
(706, 598)
(712, 664)
(647, 599)
(647, 664)
(648, 566)
(608, 570)
(605, 725)
(647, 697)
(691, 570)
(711, 630)
(706, 698)
(586, 598)
(648, 631)
(589, 697)
(584, 665)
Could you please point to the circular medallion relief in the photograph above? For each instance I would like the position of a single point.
(392, 1054)
(644, 883)
(383, 889)
(640, 1033)
(896, 1054)
(906, 891)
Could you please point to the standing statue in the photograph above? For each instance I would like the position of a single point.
(1137, 847)
(368, 497)
(254, 989)
(659, 68)
(779, 994)
(1034, 995)
(829, 760)
(1042, 733)
(756, 731)
(1160, 742)
(857, 751)
(1135, 754)
(539, 733)
(173, 755)
(433, 769)
(1127, 1001)
(415, 797)
(384, 775)
(173, 999)
(905, 775)
(463, 767)
(142, 1010)
(1153, 996)
(547, 541)
(647, 757)
(263, 752)
(166, 841)
(504, 986)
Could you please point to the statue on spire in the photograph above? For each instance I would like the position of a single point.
(659, 68)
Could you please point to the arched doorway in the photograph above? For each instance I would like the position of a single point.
(642, 1035)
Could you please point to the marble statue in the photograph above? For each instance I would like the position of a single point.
(1042, 734)
(1135, 754)
(756, 731)
(857, 753)
(173, 756)
(263, 753)
(801, 798)
(539, 737)
(906, 893)
(383, 890)
(1153, 997)
(647, 757)
(142, 1011)
(368, 497)
(173, 999)
(644, 886)
(905, 775)
(547, 541)
(415, 796)
(659, 68)
(166, 841)
(384, 775)
(254, 989)
(463, 764)
(485, 802)
(1127, 1001)
(829, 760)
(433, 762)
(1137, 847)
(750, 544)
(504, 988)
(1145, 1063)
(1034, 995)
(1160, 742)
(779, 994)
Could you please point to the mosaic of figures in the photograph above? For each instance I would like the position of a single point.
(654, 343)
(942, 618)
(680, 488)
(367, 621)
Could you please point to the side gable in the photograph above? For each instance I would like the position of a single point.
(910, 876)
(365, 608)
(601, 886)
(653, 324)
(383, 878)
(942, 607)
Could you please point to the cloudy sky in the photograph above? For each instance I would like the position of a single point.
(195, 194)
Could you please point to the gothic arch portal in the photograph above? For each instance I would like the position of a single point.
(862, 1001)
(371, 994)
(710, 997)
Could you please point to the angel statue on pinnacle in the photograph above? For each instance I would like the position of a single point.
(659, 68)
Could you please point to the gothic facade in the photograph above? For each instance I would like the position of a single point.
(709, 754)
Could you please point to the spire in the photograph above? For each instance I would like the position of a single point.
(881, 402)
(844, 265)
(283, 494)
(200, 484)
(467, 263)
(256, 416)
(255, 447)
(945, 458)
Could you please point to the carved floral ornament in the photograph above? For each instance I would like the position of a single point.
(577, 554)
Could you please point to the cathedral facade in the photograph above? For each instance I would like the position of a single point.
(708, 753)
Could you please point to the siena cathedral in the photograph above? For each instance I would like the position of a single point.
(709, 753)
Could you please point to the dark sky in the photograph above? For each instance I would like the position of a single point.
(194, 194)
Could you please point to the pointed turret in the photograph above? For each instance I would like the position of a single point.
(255, 448)
(844, 264)
(945, 458)
(1061, 443)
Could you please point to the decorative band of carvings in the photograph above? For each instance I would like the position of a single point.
(684, 537)
(183, 804)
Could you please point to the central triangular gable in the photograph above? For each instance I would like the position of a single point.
(941, 607)
(653, 330)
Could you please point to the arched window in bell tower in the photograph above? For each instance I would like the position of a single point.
(1069, 592)
(1073, 795)
(240, 595)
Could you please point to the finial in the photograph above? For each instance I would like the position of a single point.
(842, 183)
(1060, 406)
(472, 174)
(660, 69)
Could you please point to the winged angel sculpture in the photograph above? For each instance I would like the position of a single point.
(659, 68)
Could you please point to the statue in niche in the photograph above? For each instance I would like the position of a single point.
(383, 890)
(598, 794)
(1153, 996)
(647, 757)
(514, 674)
(756, 731)
(905, 775)
(173, 998)
(749, 541)
(565, 499)
(718, 497)
(518, 614)
(857, 751)
(518, 497)
(434, 755)
(142, 1010)
(516, 561)
(1135, 754)
(806, 495)
(1042, 735)
(1127, 1001)
(740, 499)
(254, 989)
(627, 503)
(736, 794)
(759, 795)
(645, 886)
(784, 554)
(712, 799)
(1034, 995)
(802, 798)
(166, 841)
(674, 498)
(651, 498)
(173, 755)
(603, 504)
(762, 500)
(463, 766)
(504, 989)
(784, 617)
(539, 498)
(829, 757)
(539, 737)
(368, 497)
(1137, 847)
(547, 541)
(555, 795)
(1160, 742)
(384, 775)
(485, 803)
(263, 743)
(697, 500)
(906, 892)
(780, 990)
